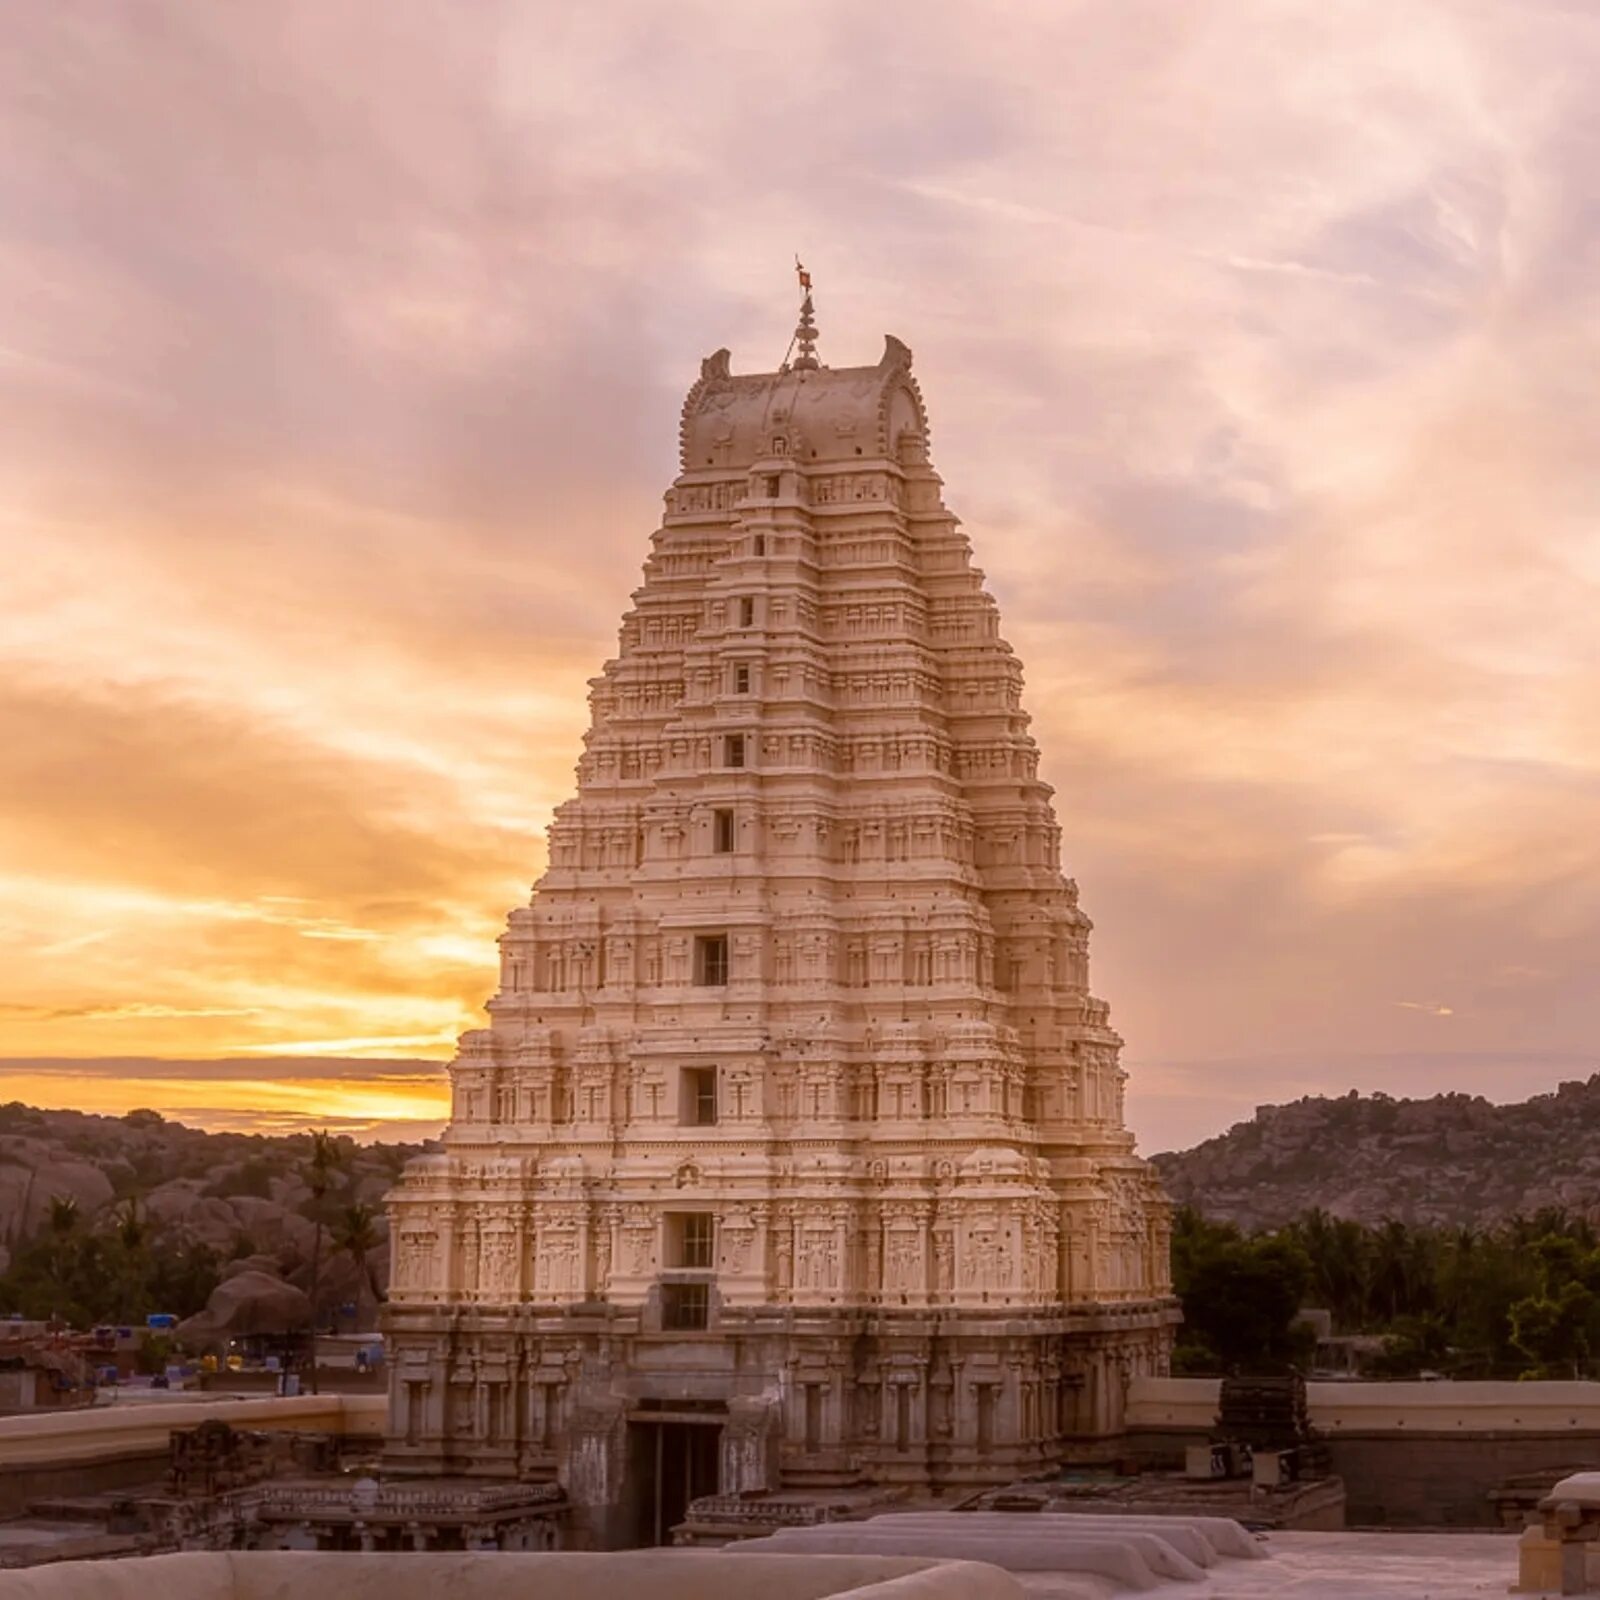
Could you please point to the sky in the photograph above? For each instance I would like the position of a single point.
(339, 387)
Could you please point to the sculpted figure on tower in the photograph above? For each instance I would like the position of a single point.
(794, 1107)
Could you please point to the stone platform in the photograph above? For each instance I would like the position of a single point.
(1168, 1555)
(686, 1575)
(1315, 1504)
(1306, 1566)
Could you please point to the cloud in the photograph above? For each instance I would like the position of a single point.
(342, 382)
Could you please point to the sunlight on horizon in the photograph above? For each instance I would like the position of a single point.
(407, 1108)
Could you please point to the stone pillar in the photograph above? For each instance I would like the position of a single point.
(750, 1445)
(591, 1466)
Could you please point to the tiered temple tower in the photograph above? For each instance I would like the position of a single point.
(794, 1152)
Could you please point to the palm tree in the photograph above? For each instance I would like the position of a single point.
(1460, 1257)
(1337, 1249)
(319, 1175)
(133, 1258)
(62, 1223)
(356, 1235)
(1403, 1270)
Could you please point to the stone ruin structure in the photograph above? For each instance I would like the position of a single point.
(1560, 1553)
(793, 1157)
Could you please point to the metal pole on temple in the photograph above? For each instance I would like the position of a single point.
(806, 333)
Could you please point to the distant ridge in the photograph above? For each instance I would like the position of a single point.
(227, 1191)
(1453, 1159)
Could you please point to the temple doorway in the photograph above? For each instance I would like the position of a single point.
(671, 1461)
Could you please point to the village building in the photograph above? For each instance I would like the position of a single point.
(793, 1156)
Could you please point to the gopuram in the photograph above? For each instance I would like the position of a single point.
(793, 1157)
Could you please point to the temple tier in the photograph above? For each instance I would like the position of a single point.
(796, 1132)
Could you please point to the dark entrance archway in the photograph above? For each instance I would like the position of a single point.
(673, 1458)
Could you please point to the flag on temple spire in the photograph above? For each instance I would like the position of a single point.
(804, 276)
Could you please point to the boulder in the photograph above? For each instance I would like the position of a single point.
(269, 1228)
(32, 1175)
(247, 1303)
(268, 1264)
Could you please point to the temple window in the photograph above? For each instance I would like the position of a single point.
(699, 1102)
(685, 1307)
(711, 959)
(691, 1239)
(722, 831)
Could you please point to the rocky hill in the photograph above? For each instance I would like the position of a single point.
(244, 1196)
(1453, 1159)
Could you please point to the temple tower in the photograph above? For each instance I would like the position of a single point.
(793, 1154)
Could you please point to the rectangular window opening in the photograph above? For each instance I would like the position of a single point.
(774, 486)
(761, 544)
(700, 1097)
(685, 1307)
(722, 832)
(711, 959)
(733, 749)
(741, 680)
(747, 612)
(691, 1240)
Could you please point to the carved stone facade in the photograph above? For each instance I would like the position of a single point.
(795, 1106)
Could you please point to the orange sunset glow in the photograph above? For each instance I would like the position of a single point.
(340, 385)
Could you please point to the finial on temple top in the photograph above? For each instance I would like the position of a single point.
(806, 333)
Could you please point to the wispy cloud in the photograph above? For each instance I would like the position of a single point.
(1259, 345)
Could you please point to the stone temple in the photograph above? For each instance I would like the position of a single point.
(793, 1157)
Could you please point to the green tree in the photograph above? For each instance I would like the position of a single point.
(1340, 1254)
(1402, 1271)
(1414, 1345)
(114, 1271)
(1556, 1326)
(1519, 1298)
(1552, 1330)
(181, 1279)
(1240, 1298)
(130, 1261)
(63, 1252)
(355, 1234)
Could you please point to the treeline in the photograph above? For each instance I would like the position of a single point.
(1521, 1299)
(114, 1269)
(118, 1265)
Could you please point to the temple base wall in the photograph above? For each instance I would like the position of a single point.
(772, 1399)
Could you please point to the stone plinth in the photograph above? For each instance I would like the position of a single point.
(1561, 1555)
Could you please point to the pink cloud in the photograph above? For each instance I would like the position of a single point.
(341, 386)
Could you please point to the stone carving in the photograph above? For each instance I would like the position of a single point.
(738, 1241)
(905, 1260)
(819, 1261)
(639, 1245)
(415, 1257)
(497, 1276)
